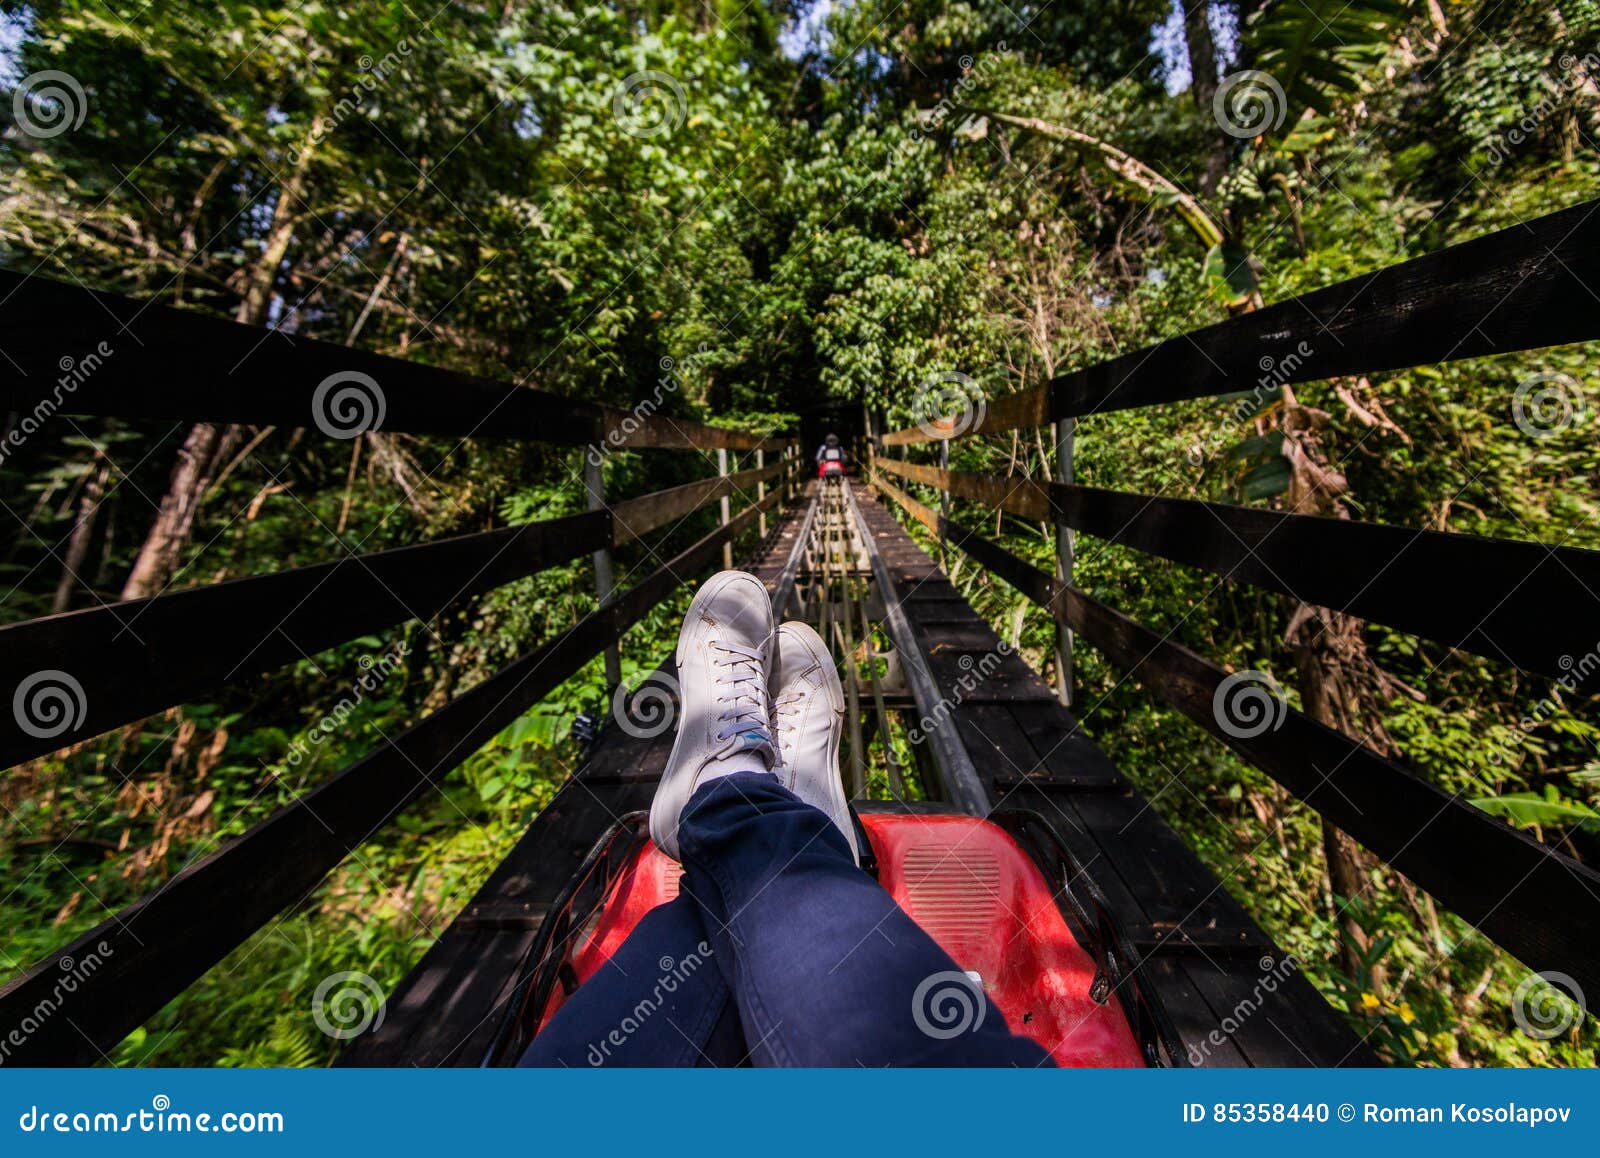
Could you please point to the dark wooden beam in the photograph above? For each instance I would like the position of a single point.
(1491, 597)
(72, 350)
(640, 516)
(1521, 288)
(129, 660)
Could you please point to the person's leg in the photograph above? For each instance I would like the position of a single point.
(826, 969)
(659, 1001)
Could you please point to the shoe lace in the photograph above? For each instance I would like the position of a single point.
(742, 677)
(785, 711)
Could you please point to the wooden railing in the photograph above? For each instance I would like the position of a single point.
(139, 657)
(1517, 602)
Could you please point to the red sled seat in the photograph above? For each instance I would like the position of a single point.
(969, 885)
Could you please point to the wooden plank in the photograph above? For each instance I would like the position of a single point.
(643, 429)
(1064, 757)
(635, 518)
(145, 360)
(1539, 904)
(122, 355)
(1497, 604)
(160, 944)
(1497, 601)
(1192, 1016)
(1280, 1026)
(1521, 288)
(132, 659)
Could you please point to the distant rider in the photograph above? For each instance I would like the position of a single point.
(831, 458)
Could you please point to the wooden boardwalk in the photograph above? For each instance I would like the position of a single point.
(1203, 957)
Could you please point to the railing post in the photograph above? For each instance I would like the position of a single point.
(594, 482)
(761, 492)
(1065, 430)
(944, 506)
(727, 546)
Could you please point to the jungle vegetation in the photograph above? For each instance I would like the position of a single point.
(798, 203)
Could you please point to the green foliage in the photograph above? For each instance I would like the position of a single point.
(803, 234)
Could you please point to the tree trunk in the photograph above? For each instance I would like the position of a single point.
(206, 445)
(94, 488)
(1202, 53)
(1341, 686)
(1203, 86)
(1332, 662)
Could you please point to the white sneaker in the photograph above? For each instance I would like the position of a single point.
(724, 660)
(808, 710)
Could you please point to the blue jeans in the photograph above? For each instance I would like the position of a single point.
(780, 951)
